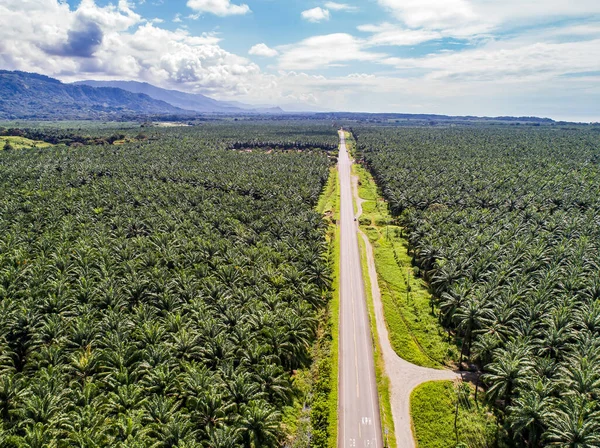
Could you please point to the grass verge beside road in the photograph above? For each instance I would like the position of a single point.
(414, 331)
(311, 421)
(383, 382)
(325, 416)
(446, 415)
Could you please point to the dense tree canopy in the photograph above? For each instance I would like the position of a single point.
(504, 225)
(158, 293)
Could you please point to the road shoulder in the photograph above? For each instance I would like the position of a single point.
(403, 376)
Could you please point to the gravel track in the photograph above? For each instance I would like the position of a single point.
(404, 376)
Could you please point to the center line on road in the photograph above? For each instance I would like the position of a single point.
(360, 414)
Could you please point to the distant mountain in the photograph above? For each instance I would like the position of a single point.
(30, 95)
(190, 101)
(429, 118)
(260, 108)
(285, 108)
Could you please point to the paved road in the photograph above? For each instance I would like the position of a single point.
(403, 375)
(358, 420)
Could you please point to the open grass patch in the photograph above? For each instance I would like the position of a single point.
(415, 333)
(21, 143)
(327, 200)
(445, 414)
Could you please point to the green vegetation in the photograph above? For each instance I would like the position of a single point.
(415, 333)
(383, 381)
(334, 310)
(306, 421)
(243, 135)
(502, 224)
(323, 394)
(21, 143)
(447, 415)
(161, 293)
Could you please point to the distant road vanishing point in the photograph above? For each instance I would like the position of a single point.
(359, 423)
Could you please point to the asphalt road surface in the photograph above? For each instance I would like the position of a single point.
(358, 420)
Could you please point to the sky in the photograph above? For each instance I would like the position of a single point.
(456, 57)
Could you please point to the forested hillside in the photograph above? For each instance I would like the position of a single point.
(33, 96)
(503, 224)
(159, 293)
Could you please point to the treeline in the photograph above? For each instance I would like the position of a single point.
(56, 136)
(285, 146)
(503, 225)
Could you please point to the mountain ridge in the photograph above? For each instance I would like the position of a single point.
(31, 95)
(196, 102)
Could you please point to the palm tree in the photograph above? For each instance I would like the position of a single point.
(242, 388)
(470, 317)
(39, 435)
(259, 425)
(11, 393)
(581, 376)
(485, 345)
(176, 432)
(319, 274)
(573, 422)
(452, 300)
(509, 370)
(128, 429)
(274, 383)
(528, 413)
(226, 437)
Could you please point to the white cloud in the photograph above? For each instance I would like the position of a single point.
(468, 18)
(509, 62)
(548, 70)
(434, 14)
(218, 7)
(518, 11)
(324, 51)
(263, 50)
(53, 39)
(389, 34)
(334, 6)
(177, 18)
(317, 14)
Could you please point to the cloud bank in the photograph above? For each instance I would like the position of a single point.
(478, 57)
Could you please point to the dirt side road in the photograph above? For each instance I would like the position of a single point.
(403, 375)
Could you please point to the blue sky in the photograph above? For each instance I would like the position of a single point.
(477, 57)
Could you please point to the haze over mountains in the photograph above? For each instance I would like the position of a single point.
(34, 96)
(189, 101)
(39, 97)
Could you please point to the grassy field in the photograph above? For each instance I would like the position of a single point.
(446, 415)
(22, 143)
(414, 331)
